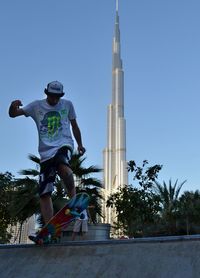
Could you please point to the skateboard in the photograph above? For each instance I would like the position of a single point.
(51, 232)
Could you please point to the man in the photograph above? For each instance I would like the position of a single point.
(53, 117)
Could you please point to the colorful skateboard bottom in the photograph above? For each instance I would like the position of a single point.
(51, 232)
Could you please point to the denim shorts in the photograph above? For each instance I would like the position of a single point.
(48, 170)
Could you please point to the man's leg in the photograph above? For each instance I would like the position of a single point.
(66, 175)
(46, 187)
(46, 207)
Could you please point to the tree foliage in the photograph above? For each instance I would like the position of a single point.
(188, 213)
(136, 206)
(6, 193)
(146, 176)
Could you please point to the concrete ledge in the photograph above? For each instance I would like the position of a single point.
(160, 257)
(95, 232)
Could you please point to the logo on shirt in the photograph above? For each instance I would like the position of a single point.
(51, 125)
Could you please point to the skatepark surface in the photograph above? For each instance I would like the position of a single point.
(160, 257)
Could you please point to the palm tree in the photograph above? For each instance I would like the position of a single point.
(169, 200)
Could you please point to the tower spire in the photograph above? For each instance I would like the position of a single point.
(117, 63)
(117, 5)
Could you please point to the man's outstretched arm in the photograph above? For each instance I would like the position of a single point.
(15, 110)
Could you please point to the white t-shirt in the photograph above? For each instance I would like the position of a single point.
(53, 124)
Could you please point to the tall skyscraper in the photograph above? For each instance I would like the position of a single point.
(115, 165)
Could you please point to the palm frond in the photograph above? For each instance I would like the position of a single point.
(91, 182)
(29, 172)
(34, 158)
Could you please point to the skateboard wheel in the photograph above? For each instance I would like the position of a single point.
(67, 211)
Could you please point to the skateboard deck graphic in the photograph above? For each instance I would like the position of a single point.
(51, 232)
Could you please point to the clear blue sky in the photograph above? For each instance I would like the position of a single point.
(71, 41)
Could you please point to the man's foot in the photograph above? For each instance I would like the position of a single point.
(40, 240)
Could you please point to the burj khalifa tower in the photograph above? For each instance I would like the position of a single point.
(115, 164)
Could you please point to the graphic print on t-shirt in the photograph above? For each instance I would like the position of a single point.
(50, 126)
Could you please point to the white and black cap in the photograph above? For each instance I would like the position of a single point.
(54, 88)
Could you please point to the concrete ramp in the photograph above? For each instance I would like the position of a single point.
(171, 257)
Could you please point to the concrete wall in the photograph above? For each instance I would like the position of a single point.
(174, 257)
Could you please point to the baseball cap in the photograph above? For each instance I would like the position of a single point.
(54, 88)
